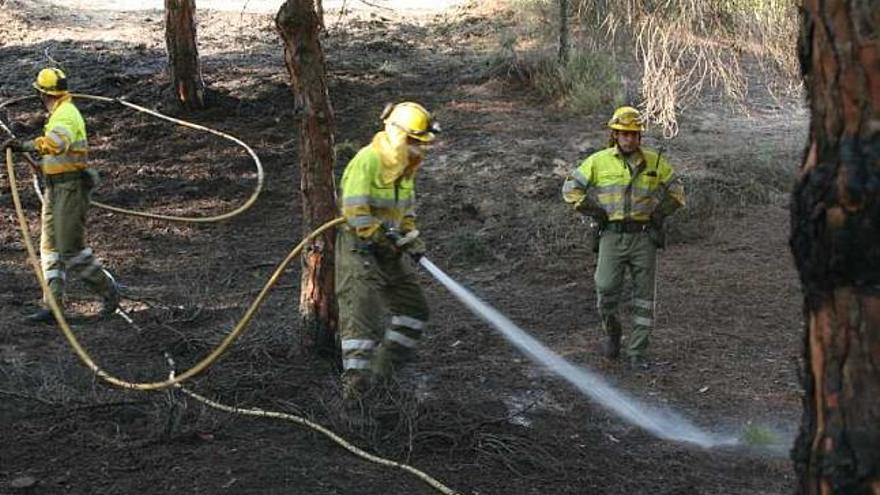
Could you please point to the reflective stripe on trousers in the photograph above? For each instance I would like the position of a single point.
(365, 282)
(62, 239)
(634, 253)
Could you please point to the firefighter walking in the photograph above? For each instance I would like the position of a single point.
(629, 191)
(375, 250)
(64, 166)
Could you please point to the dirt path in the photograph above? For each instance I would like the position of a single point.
(484, 419)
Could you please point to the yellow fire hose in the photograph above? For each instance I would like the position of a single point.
(173, 379)
(84, 356)
(218, 218)
(434, 483)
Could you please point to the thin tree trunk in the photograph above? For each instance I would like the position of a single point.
(319, 8)
(183, 53)
(563, 32)
(835, 240)
(298, 23)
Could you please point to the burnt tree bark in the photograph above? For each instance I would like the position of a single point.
(299, 25)
(835, 240)
(183, 54)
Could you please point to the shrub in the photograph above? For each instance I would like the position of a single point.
(728, 184)
(683, 47)
(587, 82)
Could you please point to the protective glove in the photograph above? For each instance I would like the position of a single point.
(91, 178)
(380, 243)
(13, 144)
(592, 209)
(393, 235)
(657, 231)
(412, 244)
(415, 248)
(657, 220)
(409, 242)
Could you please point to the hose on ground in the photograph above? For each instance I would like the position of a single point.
(437, 485)
(217, 218)
(81, 352)
(175, 380)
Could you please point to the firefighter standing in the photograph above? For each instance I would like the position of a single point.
(378, 203)
(629, 191)
(64, 150)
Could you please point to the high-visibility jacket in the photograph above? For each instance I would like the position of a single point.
(606, 179)
(64, 145)
(376, 192)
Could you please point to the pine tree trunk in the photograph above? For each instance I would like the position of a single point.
(299, 25)
(183, 53)
(319, 8)
(836, 243)
(563, 32)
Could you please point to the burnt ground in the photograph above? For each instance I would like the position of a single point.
(483, 419)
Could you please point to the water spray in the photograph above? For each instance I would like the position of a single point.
(659, 422)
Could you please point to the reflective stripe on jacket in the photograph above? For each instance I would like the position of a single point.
(63, 145)
(369, 201)
(622, 193)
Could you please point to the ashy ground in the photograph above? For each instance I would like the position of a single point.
(484, 419)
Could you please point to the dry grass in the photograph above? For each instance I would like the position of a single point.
(683, 48)
(588, 82)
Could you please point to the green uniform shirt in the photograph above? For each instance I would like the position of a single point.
(368, 201)
(64, 144)
(625, 192)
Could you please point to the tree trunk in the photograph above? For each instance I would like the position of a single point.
(835, 240)
(563, 32)
(183, 53)
(319, 8)
(298, 23)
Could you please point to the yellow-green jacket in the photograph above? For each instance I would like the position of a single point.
(64, 144)
(605, 179)
(378, 188)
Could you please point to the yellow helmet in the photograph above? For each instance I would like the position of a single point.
(51, 81)
(412, 119)
(626, 119)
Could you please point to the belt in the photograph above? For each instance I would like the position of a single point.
(627, 226)
(64, 177)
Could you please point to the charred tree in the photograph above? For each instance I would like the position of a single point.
(183, 54)
(299, 25)
(835, 240)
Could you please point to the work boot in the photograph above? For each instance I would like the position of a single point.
(355, 410)
(612, 328)
(42, 315)
(110, 302)
(388, 360)
(355, 385)
(611, 346)
(638, 363)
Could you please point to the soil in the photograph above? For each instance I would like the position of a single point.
(473, 413)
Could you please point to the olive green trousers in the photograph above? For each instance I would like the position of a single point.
(371, 280)
(62, 239)
(620, 253)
